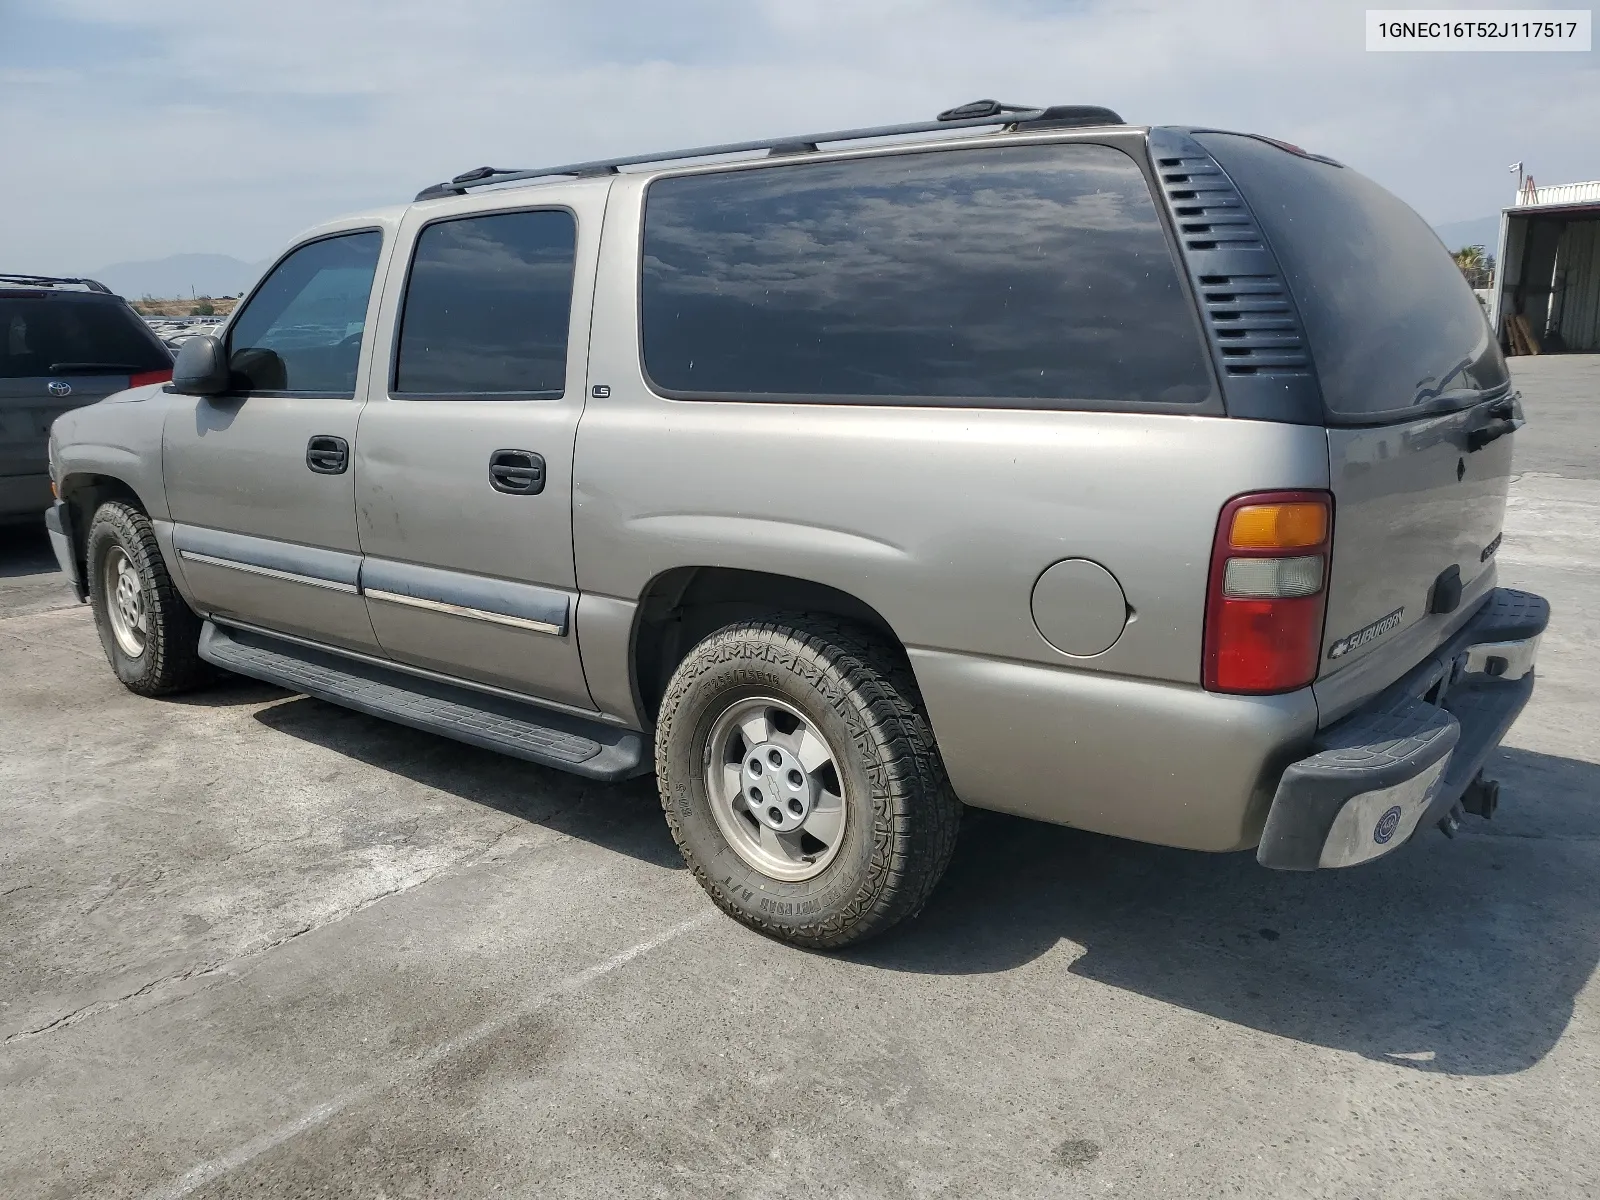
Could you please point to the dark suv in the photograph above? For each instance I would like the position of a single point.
(63, 343)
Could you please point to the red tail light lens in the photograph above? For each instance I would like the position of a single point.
(140, 378)
(1268, 592)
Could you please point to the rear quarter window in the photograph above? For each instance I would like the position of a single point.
(1393, 328)
(1021, 276)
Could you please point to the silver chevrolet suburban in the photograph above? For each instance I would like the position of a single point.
(1145, 480)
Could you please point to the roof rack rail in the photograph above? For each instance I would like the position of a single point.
(976, 114)
(92, 285)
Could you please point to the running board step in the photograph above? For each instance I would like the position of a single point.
(526, 731)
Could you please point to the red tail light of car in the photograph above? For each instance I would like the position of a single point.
(140, 378)
(1268, 592)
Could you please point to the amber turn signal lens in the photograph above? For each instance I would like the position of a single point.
(1294, 526)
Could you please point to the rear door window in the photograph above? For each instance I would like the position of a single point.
(1393, 327)
(487, 307)
(59, 336)
(301, 331)
(1021, 276)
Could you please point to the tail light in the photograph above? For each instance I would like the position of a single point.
(140, 378)
(1268, 592)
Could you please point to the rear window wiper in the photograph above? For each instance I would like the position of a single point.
(98, 368)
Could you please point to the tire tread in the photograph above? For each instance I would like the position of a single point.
(175, 664)
(909, 784)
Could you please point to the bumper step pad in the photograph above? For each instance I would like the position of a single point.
(524, 731)
(1391, 759)
(1401, 763)
(1510, 615)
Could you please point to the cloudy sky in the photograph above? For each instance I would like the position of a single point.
(135, 130)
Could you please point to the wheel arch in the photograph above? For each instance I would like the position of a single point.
(682, 605)
(83, 492)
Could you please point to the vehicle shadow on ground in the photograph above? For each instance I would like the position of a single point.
(1463, 957)
(229, 690)
(25, 550)
(624, 817)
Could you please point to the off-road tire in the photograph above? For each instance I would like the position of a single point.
(902, 816)
(171, 659)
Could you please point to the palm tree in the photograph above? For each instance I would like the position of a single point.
(1476, 264)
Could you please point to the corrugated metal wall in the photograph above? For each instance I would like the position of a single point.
(1577, 280)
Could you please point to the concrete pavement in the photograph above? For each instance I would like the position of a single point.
(251, 944)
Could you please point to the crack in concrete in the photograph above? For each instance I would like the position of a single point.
(121, 885)
(203, 1173)
(222, 967)
(30, 644)
(70, 606)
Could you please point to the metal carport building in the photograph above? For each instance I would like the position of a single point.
(1547, 268)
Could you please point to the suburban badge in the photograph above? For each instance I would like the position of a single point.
(1358, 639)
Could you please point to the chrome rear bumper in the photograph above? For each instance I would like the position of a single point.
(1403, 760)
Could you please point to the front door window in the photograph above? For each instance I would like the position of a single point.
(301, 331)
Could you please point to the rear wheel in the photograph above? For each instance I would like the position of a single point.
(801, 780)
(150, 636)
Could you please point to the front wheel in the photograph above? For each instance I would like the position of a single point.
(801, 780)
(150, 636)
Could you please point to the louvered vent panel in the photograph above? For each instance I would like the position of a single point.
(1255, 327)
(1256, 330)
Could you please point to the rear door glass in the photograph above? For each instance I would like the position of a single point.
(1393, 327)
(1020, 276)
(488, 305)
(50, 336)
(302, 329)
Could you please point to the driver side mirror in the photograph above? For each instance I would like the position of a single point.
(201, 368)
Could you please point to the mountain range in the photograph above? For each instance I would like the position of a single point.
(180, 275)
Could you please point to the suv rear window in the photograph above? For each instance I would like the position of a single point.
(1393, 327)
(58, 336)
(1020, 276)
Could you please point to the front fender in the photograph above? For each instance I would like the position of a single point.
(120, 442)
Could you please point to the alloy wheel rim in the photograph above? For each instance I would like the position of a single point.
(775, 788)
(130, 621)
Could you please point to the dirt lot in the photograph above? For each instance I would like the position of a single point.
(182, 308)
(258, 946)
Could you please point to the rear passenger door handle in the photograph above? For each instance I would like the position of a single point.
(327, 455)
(517, 472)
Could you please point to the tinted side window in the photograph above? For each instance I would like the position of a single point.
(301, 331)
(1023, 276)
(487, 306)
(1391, 320)
(51, 336)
